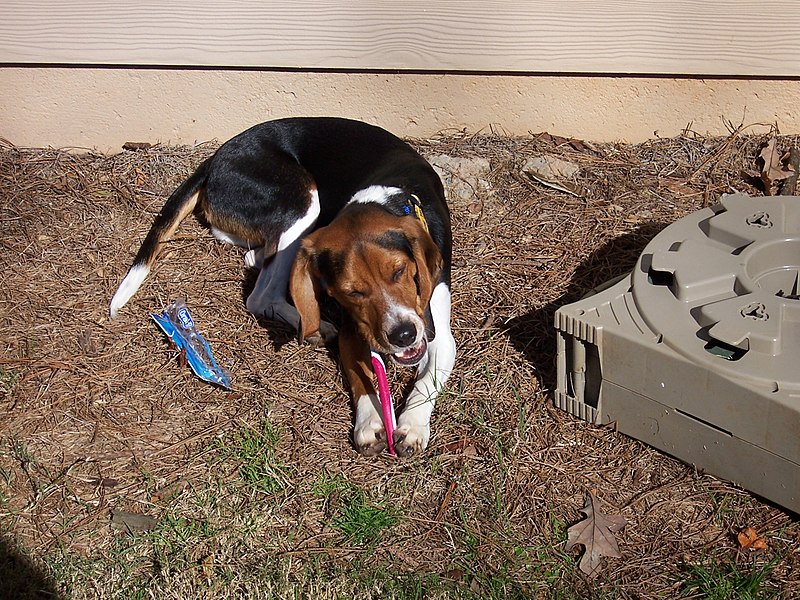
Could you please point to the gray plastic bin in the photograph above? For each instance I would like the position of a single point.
(697, 351)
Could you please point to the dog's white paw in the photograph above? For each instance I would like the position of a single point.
(369, 434)
(411, 438)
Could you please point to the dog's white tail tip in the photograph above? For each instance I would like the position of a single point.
(133, 280)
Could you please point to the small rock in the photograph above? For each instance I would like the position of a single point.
(551, 168)
(463, 178)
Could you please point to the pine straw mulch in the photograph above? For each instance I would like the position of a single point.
(97, 415)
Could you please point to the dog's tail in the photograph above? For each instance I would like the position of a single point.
(179, 205)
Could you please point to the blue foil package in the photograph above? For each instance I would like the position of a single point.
(179, 326)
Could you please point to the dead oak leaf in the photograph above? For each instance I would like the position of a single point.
(130, 522)
(749, 539)
(596, 534)
(773, 168)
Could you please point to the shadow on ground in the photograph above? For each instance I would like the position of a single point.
(533, 333)
(20, 579)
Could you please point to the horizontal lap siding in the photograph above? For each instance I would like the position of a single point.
(737, 38)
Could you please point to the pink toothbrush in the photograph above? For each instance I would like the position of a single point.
(387, 407)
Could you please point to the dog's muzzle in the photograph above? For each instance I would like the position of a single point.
(408, 343)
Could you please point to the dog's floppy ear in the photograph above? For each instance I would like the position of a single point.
(426, 255)
(304, 288)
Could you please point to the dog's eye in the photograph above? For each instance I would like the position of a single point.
(398, 273)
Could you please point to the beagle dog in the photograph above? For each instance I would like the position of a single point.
(338, 208)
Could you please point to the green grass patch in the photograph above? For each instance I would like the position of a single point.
(254, 449)
(728, 581)
(8, 381)
(364, 523)
(360, 521)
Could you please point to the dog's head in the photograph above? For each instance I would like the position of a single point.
(381, 269)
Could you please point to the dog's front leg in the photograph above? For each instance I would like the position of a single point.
(369, 434)
(413, 427)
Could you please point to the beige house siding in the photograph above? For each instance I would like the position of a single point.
(96, 74)
(724, 37)
(104, 108)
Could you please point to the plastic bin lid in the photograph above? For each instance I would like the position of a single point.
(721, 287)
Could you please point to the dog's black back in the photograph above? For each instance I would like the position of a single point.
(342, 156)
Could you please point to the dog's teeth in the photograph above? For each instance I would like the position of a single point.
(410, 354)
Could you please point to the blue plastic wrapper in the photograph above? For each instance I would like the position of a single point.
(178, 324)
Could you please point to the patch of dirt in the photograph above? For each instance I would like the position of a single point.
(97, 415)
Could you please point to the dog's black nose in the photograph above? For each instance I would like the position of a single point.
(403, 335)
